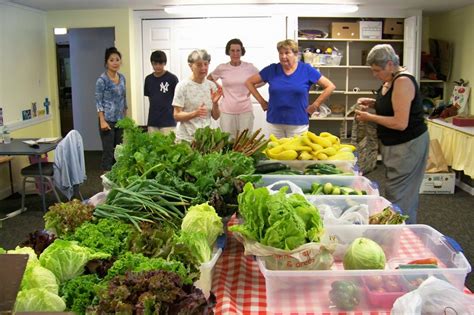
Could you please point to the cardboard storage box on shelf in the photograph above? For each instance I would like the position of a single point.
(393, 26)
(438, 183)
(308, 291)
(370, 29)
(345, 30)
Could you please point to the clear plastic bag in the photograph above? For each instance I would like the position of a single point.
(322, 111)
(357, 214)
(434, 296)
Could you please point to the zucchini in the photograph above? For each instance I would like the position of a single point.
(266, 168)
(286, 172)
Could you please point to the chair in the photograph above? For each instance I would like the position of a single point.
(66, 173)
(31, 174)
(69, 165)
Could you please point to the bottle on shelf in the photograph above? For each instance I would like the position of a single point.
(6, 135)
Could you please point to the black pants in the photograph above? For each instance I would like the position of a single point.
(110, 139)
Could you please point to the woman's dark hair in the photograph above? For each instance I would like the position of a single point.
(158, 56)
(110, 51)
(234, 41)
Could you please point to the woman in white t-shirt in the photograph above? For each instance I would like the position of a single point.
(236, 107)
(195, 98)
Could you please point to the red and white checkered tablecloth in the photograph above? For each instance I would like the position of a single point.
(240, 287)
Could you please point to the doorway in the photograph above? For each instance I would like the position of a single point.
(64, 84)
(80, 57)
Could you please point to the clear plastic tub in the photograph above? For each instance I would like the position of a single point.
(308, 291)
(340, 204)
(207, 270)
(346, 166)
(305, 181)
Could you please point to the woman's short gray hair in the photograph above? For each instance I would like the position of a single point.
(199, 54)
(288, 43)
(380, 54)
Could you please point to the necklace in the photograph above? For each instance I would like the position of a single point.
(113, 76)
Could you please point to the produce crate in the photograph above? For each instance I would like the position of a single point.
(308, 290)
(305, 181)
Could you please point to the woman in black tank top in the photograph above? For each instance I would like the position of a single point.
(400, 127)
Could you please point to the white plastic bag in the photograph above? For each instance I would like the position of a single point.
(293, 188)
(434, 296)
(357, 214)
(322, 111)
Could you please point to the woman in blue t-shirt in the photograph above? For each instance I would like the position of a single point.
(289, 82)
(111, 103)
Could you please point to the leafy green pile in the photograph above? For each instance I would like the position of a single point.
(207, 140)
(63, 218)
(137, 262)
(217, 177)
(144, 200)
(78, 293)
(277, 220)
(153, 292)
(142, 151)
(66, 259)
(104, 235)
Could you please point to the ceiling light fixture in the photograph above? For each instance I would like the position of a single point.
(60, 31)
(260, 9)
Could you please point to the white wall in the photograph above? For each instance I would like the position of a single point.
(87, 49)
(23, 70)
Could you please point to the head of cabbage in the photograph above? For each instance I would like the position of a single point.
(363, 253)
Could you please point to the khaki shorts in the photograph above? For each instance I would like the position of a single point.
(164, 130)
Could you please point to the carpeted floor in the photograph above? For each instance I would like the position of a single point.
(452, 215)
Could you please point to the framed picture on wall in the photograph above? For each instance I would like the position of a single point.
(26, 114)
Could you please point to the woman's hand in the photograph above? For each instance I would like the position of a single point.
(104, 126)
(201, 112)
(264, 105)
(312, 108)
(363, 115)
(215, 96)
(366, 101)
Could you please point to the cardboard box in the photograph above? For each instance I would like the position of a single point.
(393, 26)
(345, 30)
(438, 183)
(370, 29)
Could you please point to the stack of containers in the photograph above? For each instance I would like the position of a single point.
(308, 290)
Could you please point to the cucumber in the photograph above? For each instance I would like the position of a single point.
(270, 167)
(286, 172)
(327, 188)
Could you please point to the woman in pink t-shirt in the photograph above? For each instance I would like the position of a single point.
(236, 108)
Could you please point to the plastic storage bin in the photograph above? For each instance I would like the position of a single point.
(305, 181)
(339, 204)
(308, 291)
(346, 166)
(205, 280)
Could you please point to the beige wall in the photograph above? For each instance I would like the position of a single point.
(457, 27)
(23, 79)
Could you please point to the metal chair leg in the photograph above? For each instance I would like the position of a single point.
(53, 188)
(23, 195)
